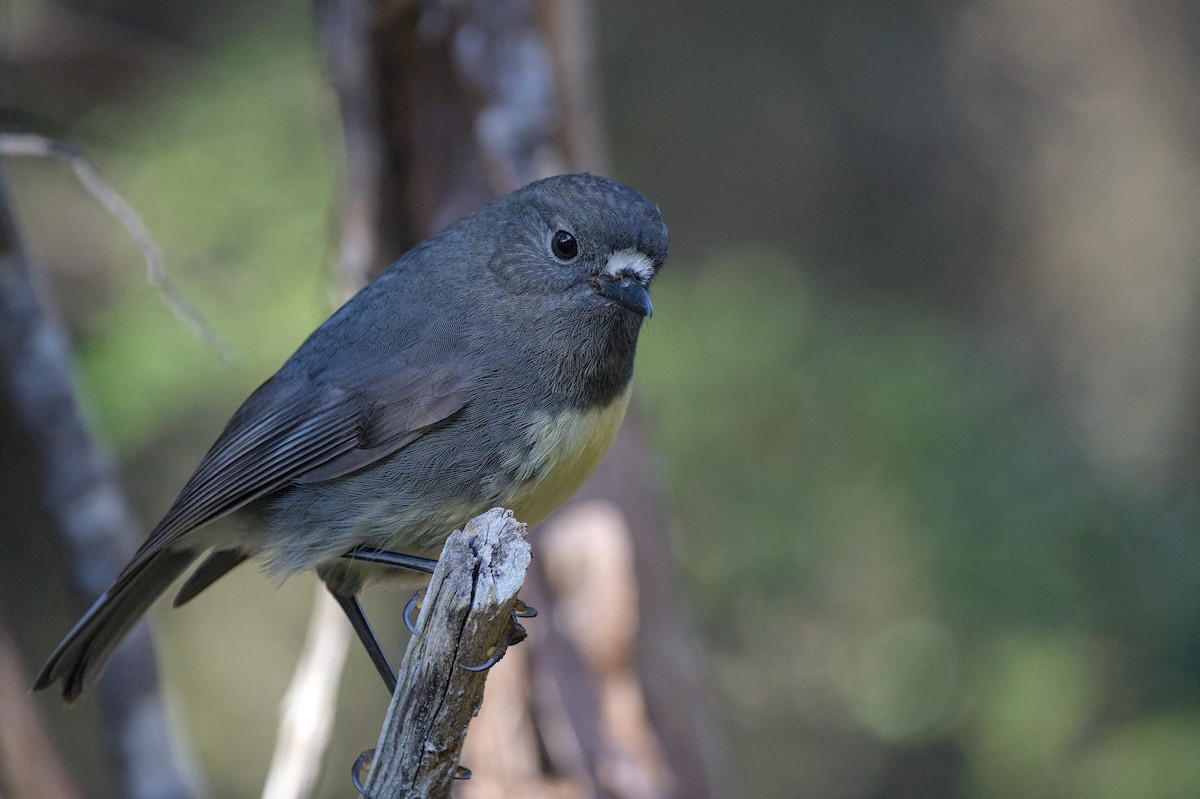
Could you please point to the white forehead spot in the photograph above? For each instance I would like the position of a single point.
(630, 262)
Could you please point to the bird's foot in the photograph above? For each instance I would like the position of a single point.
(515, 634)
(413, 604)
(364, 762)
(523, 611)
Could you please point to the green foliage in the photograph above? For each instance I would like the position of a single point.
(885, 529)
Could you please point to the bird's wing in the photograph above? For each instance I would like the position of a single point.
(295, 431)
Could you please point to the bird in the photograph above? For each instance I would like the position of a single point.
(491, 365)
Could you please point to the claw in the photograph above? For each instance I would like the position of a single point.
(414, 603)
(461, 773)
(516, 634)
(484, 666)
(356, 771)
(523, 611)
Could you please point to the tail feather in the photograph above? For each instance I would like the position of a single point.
(79, 660)
(214, 567)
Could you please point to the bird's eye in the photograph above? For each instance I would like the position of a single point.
(564, 245)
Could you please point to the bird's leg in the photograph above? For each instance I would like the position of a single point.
(355, 613)
(516, 632)
(396, 560)
(358, 621)
(393, 559)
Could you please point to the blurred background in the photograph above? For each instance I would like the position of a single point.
(922, 372)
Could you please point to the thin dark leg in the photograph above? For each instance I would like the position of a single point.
(358, 621)
(393, 559)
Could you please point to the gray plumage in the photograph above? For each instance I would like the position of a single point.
(441, 389)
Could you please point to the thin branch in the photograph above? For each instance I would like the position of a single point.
(465, 621)
(308, 706)
(36, 146)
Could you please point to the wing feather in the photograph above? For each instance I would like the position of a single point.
(305, 433)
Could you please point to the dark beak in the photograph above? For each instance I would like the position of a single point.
(627, 291)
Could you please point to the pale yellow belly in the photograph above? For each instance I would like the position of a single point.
(564, 450)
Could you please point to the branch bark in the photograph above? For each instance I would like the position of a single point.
(465, 621)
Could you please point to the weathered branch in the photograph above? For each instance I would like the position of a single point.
(465, 621)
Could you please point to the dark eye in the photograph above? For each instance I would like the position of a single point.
(564, 245)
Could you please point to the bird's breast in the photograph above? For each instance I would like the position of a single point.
(562, 449)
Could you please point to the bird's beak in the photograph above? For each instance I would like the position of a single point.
(627, 291)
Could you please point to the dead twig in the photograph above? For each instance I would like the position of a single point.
(310, 704)
(37, 146)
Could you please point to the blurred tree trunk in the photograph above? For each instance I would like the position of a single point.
(1089, 127)
(78, 493)
(446, 105)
